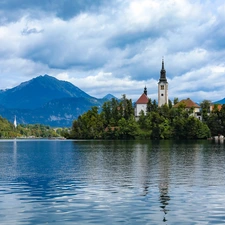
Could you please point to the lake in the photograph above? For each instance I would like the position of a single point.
(111, 182)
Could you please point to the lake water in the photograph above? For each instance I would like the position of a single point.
(111, 182)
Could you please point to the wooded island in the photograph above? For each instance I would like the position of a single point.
(116, 120)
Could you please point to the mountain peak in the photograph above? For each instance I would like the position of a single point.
(38, 91)
(109, 97)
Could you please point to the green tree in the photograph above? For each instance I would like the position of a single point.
(154, 106)
(149, 105)
(89, 125)
(127, 128)
(205, 109)
(170, 104)
(153, 122)
(175, 101)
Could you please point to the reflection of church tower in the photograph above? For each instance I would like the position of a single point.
(164, 199)
(162, 87)
(164, 182)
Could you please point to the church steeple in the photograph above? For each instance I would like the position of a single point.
(162, 87)
(163, 73)
(145, 91)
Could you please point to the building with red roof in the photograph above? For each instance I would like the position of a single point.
(141, 103)
(188, 104)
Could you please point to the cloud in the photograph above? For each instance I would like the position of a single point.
(107, 83)
(116, 46)
(13, 10)
(208, 86)
(27, 31)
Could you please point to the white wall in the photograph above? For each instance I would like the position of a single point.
(140, 107)
(162, 100)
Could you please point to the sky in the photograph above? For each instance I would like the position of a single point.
(116, 46)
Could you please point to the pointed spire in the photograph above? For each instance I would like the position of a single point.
(163, 73)
(145, 91)
(15, 123)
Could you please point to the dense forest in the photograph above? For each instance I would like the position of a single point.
(116, 120)
(7, 130)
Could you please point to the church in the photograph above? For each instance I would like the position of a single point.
(141, 103)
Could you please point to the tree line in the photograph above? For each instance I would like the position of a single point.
(8, 130)
(116, 120)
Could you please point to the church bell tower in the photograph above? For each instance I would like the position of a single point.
(162, 87)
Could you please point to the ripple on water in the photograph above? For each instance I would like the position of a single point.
(113, 183)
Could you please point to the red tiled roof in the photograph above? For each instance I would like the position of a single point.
(143, 99)
(188, 104)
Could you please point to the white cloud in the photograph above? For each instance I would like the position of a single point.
(119, 48)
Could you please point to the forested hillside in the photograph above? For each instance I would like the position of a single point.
(7, 130)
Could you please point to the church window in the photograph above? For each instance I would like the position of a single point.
(162, 87)
(161, 94)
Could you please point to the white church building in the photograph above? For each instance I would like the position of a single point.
(141, 103)
(162, 87)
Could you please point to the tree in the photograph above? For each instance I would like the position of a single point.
(149, 105)
(106, 112)
(164, 110)
(216, 121)
(178, 128)
(117, 121)
(127, 108)
(154, 106)
(170, 104)
(89, 125)
(127, 128)
(153, 122)
(175, 101)
(205, 109)
(116, 115)
(142, 120)
(222, 119)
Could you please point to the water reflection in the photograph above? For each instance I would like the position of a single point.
(219, 140)
(164, 174)
(164, 199)
(15, 151)
(111, 182)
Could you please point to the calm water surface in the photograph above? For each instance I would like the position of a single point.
(108, 182)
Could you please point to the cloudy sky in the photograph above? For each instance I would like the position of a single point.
(116, 46)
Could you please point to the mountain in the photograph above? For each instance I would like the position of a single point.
(109, 97)
(38, 91)
(64, 111)
(46, 100)
(56, 113)
(222, 101)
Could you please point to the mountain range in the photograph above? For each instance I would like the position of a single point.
(46, 100)
(49, 101)
(222, 101)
